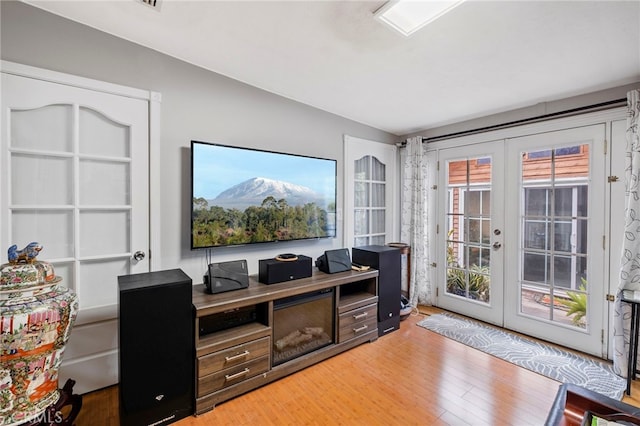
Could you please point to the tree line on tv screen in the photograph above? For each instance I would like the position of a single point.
(273, 220)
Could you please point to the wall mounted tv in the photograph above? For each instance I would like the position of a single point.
(245, 196)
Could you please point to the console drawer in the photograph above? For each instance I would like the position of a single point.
(357, 322)
(233, 356)
(230, 376)
(358, 315)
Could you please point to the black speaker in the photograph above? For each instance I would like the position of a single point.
(388, 262)
(333, 261)
(226, 276)
(156, 347)
(271, 271)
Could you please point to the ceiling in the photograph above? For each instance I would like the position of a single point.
(482, 58)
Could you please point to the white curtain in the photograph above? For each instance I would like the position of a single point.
(630, 259)
(414, 225)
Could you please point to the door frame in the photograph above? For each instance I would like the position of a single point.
(616, 135)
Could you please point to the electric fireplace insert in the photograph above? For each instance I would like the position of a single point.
(302, 324)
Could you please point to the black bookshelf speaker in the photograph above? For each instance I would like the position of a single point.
(388, 262)
(156, 347)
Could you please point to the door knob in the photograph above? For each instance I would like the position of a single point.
(496, 245)
(139, 255)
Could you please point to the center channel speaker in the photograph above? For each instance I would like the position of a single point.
(285, 268)
(156, 348)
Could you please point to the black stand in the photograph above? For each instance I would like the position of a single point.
(54, 414)
(633, 342)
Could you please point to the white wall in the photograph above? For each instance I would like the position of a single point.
(199, 104)
(196, 104)
(542, 109)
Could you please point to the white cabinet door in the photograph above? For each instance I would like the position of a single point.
(75, 178)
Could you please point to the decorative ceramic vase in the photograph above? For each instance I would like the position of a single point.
(37, 314)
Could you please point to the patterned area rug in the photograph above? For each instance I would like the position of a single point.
(549, 361)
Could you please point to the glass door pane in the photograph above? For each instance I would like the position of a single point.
(468, 248)
(554, 234)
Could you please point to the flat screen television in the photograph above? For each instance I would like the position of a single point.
(244, 196)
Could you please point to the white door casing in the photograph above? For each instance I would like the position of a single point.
(76, 178)
(615, 217)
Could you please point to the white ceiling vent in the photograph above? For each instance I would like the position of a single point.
(152, 3)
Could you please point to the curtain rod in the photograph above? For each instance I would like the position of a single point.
(545, 117)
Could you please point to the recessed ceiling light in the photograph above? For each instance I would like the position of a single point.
(408, 16)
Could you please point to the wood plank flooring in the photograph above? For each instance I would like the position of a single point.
(409, 377)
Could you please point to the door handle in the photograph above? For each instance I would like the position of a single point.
(139, 255)
(496, 245)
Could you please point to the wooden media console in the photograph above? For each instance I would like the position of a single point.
(237, 335)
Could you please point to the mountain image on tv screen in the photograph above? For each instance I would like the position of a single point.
(243, 196)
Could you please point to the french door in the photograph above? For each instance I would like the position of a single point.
(555, 285)
(75, 178)
(520, 244)
(471, 230)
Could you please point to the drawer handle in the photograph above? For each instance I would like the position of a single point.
(236, 357)
(359, 329)
(360, 316)
(229, 377)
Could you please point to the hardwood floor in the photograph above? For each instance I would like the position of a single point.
(409, 377)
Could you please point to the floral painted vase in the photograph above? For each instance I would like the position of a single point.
(37, 314)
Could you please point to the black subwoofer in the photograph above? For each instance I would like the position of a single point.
(388, 262)
(156, 347)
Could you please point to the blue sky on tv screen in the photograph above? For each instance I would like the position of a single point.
(217, 168)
